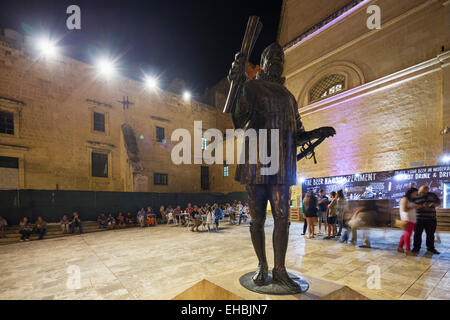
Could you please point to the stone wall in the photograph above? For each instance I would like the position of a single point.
(53, 102)
(395, 99)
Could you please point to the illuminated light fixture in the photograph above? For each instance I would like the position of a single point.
(47, 48)
(445, 158)
(302, 179)
(186, 95)
(357, 175)
(106, 67)
(151, 83)
(341, 180)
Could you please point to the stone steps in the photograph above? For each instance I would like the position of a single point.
(53, 231)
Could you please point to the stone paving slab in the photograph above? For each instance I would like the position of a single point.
(161, 262)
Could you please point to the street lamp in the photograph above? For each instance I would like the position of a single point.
(186, 95)
(47, 48)
(106, 67)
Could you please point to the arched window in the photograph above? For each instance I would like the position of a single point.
(326, 87)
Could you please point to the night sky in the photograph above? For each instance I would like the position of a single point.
(193, 40)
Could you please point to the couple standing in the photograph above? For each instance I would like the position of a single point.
(418, 210)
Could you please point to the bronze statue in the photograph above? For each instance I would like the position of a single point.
(265, 103)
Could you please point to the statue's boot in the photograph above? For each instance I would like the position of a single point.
(261, 275)
(282, 278)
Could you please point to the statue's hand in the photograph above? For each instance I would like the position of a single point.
(237, 71)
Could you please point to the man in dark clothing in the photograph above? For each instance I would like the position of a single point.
(40, 227)
(322, 210)
(426, 219)
(76, 223)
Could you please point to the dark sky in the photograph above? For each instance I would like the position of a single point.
(194, 40)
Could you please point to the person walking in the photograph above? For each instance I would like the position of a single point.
(426, 219)
(408, 214)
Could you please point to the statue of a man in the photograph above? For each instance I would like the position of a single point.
(264, 103)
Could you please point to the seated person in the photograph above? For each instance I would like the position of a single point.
(244, 214)
(110, 221)
(25, 229)
(234, 213)
(188, 211)
(162, 215)
(40, 227)
(196, 219)
(76, 223)
(141, 217)
(101, 220)
(3, 225)
(227, 210)
(176, 214)
(129, 220)
(151, 217)
(64, 222)
(120, 220)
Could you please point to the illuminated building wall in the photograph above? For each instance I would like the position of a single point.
(53, 105)
(386, 91)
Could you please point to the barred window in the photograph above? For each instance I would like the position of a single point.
(326, 87)
(6, 122)
(160, 179)
(9, 162)
(99, 122)
(160, 134)
(100, 165)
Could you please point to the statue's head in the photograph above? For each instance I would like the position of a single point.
(272, 62)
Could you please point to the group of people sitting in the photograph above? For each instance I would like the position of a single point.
(193, 216)
(26, 228)
(237, 210)
(197, 215)
(417, 213)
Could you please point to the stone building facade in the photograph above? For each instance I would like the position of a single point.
(63, 127)
(386, 91)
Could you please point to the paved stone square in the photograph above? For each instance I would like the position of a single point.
(162, 261)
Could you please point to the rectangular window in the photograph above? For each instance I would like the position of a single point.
(160, 134)
(160, 179)
(99, 165)
(9, 162)
(204, 178)
(204, 143)
(6, 122)
(225, 170)
(99, 122)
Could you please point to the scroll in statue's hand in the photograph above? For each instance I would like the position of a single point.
(237, 71)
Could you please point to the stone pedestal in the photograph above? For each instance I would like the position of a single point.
(227, 287)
